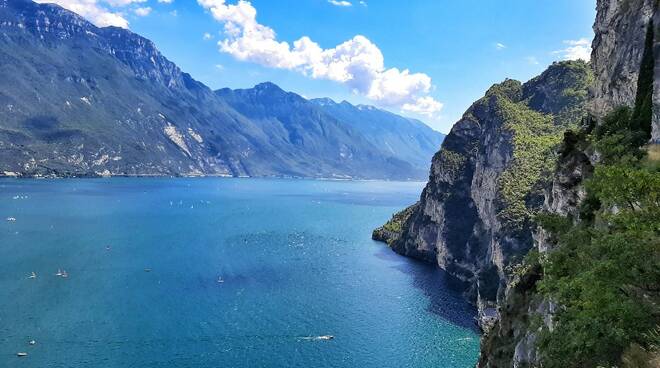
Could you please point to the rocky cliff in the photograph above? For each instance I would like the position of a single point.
(624, 37)
(474, 216)
(621, 29)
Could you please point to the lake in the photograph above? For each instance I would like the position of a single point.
(218, 272)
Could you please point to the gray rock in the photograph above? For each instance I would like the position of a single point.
(618, 47)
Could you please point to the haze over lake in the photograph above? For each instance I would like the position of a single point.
(219, 273)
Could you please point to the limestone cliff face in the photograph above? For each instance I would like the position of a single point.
(474, 216)
(621, 30)
(488, 180)
(620, 33)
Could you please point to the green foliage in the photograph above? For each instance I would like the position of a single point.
(534, 139)
(536, 123)
(617, 139)
(573, 96)
(452, 163)
(393, 228)
(605, 272)
(509, 89)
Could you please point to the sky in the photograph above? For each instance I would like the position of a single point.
(428, 59)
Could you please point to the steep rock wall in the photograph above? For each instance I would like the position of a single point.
(618, 47)
(474, 216)
(621, 33)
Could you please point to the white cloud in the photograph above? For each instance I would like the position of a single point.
(207, 36)
(92, 10)
(340, 3)
(102, 13)
(576, 49)
(142, 12)
(357, 63)
(174, 13)
(123, 2)
(500, 46)
(166, 1)
(363, 3)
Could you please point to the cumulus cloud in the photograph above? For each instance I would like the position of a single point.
(340, 3)
(357, 63)
(576, 50)
(92, 10)
(123, 2)
(102, 13)
(142, 12)
(500, 46)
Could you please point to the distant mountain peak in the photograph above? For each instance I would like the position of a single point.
(324, 101)
(84, 100)
(269, 86)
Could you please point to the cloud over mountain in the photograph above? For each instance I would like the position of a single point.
(357, 63)
(103, 13)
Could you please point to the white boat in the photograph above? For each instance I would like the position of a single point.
(21, 354)
(64, 274)
(32, 342)
(220, 280)
(316, 338)
(32, 276)
(59, 272)
(11, 219)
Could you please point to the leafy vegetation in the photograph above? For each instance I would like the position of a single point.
(605, 273)
(534, 138)
(536, 123)
(451, 163)
(391, 231)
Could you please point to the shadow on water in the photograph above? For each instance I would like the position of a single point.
(443, 290)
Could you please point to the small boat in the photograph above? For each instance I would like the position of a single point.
(32, 342)
(59, 272)
(220, 280)
(11, 219)
(32, 276)
(147, 270)
(317, 338)
(21, 354)
(64, 274)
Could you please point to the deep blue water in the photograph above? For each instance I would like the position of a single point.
(144, 257)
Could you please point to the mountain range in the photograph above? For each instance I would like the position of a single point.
(79, 100)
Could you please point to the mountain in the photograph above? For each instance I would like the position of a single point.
(79, 100)
(404, 138)
(317, 130)
(544, 200)
(474, 216)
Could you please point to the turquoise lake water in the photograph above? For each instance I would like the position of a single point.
(144, 257)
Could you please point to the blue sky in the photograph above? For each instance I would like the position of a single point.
(454, 49)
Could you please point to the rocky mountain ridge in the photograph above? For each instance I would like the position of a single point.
(474, 216)
(78, 100)
(458, 222)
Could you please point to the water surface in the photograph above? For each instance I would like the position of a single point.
(144, 257)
